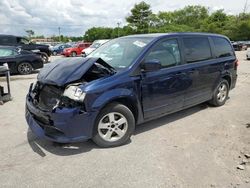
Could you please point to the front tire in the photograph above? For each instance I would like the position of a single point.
(220, 95)
(24, 68)
(73, 54)
(114, 126)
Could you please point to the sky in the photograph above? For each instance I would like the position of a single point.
(74, 17)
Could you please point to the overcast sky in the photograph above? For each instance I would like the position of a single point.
(76, 16)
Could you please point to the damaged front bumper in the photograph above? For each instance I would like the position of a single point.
(61, 125)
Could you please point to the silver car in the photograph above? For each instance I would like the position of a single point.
(248, 53)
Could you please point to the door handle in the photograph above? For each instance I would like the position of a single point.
(192, 71)
(180, 74)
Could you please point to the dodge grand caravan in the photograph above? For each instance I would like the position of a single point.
(128, 81)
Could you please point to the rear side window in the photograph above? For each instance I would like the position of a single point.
(197, 49)
(222, 47)
(7, 40)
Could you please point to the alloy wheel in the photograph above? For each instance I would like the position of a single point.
(222, 92)
(112, 127)
(24, 68)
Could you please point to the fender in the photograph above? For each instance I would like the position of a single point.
(111, 95)
(116, 94)
(222, 74)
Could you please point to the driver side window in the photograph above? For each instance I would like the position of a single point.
(167, 52)
(6, 52)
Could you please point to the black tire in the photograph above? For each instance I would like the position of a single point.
(24, 68)
(127, 128)
(220, 100)
(73, 54)
(44, 57)
(54, 53)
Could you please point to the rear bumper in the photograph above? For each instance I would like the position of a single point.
(37, 64)
(63, 126)
(66, 53)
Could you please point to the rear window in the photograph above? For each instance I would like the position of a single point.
(197, 49)
(7, 40)
(222, 47)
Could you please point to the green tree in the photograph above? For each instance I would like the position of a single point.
(192, 16)
(188, 19)
(30, 33)
(96, 33)
(140, 17)
(217, 22)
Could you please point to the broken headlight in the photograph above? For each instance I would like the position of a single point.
(75, 93)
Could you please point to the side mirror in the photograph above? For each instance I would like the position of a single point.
(151, 65)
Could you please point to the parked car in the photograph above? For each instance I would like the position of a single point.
(238, 46)
(96, 44)
(76, 49)
(58, 49)
(248, 54)
(25, 44)
(20, 61)
(128, 81)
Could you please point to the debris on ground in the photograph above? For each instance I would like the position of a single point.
(244, 162)
(247, 155)
(240, 167)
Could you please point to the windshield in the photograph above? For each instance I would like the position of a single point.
(121, 52)
(95, 45)
(57, 46)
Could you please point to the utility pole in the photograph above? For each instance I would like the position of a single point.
(118, 24)
(59, 32)
(245, 7)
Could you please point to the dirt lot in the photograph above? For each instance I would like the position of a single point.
(198, 147)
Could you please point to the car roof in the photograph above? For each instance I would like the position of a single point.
(160, 35)
(6, 35)
(8, 47)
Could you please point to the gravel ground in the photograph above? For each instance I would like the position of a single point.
(198, 147)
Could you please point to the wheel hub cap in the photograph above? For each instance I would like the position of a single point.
(112, 127)
(25, 68)
(222, 93)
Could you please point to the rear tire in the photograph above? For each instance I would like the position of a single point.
(24, 68)
(114, 126)
(220, 95)
(44, 57)
(54, 53)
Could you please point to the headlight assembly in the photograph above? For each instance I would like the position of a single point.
(75, 93)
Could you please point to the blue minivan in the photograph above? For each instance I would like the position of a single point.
(128, 81)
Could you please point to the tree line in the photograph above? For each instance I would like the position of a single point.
(189, 19)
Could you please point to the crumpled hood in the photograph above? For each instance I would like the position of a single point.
(67, 70)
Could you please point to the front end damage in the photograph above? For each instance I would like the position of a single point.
(55, 104)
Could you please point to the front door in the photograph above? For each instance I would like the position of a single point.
(163, 90)
(8, 55)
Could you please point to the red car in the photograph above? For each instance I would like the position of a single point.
(76, 49)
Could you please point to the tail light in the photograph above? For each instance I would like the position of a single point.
(236, 64)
